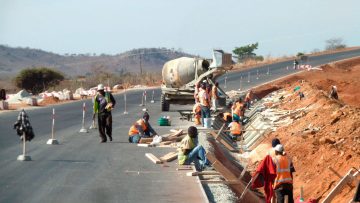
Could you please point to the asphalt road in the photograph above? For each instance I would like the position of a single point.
(81, 169)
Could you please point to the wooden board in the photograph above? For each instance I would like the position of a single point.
(165, 143)
(226, 173)
(197, 173)
(145, 140)
(169, 157)
(153, 158)
(224, 142)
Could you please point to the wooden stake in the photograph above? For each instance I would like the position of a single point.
(153, 158)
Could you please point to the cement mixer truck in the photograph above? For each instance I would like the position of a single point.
(182, 74)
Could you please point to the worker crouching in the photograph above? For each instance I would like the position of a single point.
(141, 129)
(190, 151)
(235, 130)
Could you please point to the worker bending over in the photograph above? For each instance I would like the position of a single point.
(190, 151)
(141, 129)
(238, 109)
(235, 130)
(283, 184)
(104, 102)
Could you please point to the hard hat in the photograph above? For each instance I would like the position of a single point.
(279, 148)
(100, 87)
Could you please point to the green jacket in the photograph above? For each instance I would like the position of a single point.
(96, 103)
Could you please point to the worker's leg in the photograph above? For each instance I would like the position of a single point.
(198, 153)
(109, 126)
(203, 114)
(102, 124)
(134, 138)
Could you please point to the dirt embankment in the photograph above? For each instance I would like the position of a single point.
(328, 134)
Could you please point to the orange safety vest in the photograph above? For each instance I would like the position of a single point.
(235, 128)
(283, 174)
(238, 109)
(133, 129)
(226, 114)
(203, 100)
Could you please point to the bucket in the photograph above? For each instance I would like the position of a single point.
(207, 122)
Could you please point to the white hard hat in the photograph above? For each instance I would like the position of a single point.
(279, 148)
(100, 87)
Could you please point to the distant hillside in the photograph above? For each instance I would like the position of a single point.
(12, 60)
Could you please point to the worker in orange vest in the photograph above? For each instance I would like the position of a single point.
(283, 184)
(238, 110)
(141, 128)
(234, 129)
(197, 113)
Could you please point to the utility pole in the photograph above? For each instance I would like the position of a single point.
(140, 64)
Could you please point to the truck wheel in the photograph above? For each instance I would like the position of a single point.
(165, 106)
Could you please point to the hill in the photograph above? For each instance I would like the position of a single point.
(12, 60)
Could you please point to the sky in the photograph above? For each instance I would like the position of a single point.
(281, 27)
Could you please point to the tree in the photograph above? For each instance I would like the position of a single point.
(334, 43)
(246, 52)
(38, 79)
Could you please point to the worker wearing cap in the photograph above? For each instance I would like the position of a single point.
(333, 93)
(104, 102)
(141, 129)
(283, 184)
(190, 151)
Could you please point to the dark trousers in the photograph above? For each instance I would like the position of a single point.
(284, 189)
(105, 125)
(205, 113)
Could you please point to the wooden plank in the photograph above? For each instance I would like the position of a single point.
(165, 143)
(144, 145)
(153, 158)
(184, 167)
(169, 157)
(221, 182)
(145, 140)
(337, 189)
(220, 139)
(338, 175)
(197, 173)
(226, 173)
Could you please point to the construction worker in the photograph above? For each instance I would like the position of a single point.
(234, 129)
(333, 93)
(104, 102)
(197, 113)
(238, 109)
(196, 92)
(141, 129)
(204, 99)
(248, 98)
(283, 184)
(296, 63)
(190, 151)
(215, 96)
